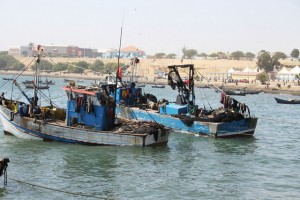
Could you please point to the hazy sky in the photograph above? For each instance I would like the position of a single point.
(154, 25)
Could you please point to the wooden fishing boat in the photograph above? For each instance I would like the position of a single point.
(32, 86)
(184, 115)
(7, 79)
(252, 91)
(88, 119)
(47, 82)
(235, 92)
(290, 101)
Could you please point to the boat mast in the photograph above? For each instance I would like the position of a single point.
(118, 73)
(36, 80)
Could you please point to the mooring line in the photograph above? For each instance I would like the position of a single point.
(56, 190)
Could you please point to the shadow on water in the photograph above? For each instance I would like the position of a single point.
(235, 145)
(2, 190)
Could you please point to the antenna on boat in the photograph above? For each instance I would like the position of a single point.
(36, 78)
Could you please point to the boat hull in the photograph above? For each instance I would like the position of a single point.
(41, 87)
(29, 128)
(243, 127)
(282, 101)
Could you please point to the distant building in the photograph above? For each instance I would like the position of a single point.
(61, 51)
(76, 52)
(14, 51)
(247, 74)
(288, 75)
(127, 52)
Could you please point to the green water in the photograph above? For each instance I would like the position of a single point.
(265, 166)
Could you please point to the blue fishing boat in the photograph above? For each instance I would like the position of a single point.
(88, 119)
(232, 120)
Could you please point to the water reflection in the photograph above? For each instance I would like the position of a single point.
(235, 145)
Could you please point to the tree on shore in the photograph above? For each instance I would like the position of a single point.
(171, 56)
(262, 77)
(221, 55)
(3, 63)
(97, 66)
(18, 66)
(111, 67)
(7, 61)
(160, 55)
(83, 64)
(189, 53)
(213, 55)
(249, 55)
(265, 62)
(237, 55)
(60, 67)
(204, 55)
(75, 69)
(276, 57)
(295, 53)
(44, 65)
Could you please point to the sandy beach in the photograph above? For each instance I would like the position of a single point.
(147, 68)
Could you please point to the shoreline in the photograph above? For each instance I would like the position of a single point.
(272, 88)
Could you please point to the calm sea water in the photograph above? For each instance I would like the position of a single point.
(189, 167)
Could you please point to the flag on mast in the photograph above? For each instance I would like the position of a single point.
(119, 73)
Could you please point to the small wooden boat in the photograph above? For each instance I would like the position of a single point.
(252, 91)
(27, 82)
(141, 85)
(67, 80)
(7, 79)
(290, 101)
(47, 82)
(203, 86)
(158, 86)
(235, 92)
(31, 86)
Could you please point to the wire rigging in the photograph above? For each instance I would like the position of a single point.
(17, 75)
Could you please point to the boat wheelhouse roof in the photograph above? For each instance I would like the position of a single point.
(83, 90)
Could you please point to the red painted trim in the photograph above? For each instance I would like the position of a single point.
(68, 88)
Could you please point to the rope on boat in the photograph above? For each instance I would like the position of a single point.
(54, 189)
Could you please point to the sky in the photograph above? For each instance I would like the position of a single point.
(154, 25)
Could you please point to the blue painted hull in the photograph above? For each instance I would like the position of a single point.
(29, 128)
(223, 129)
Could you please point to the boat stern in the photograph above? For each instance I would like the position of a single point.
(159, 139)
(244, 127)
